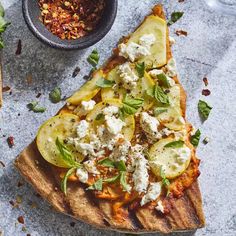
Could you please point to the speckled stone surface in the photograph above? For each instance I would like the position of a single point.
(208, 50)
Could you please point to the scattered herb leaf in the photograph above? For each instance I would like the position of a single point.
(175, 144)
(104, 83)
(75, 72)
(160, 95)
(112, 179)
(162, 80)
(96, 186)
(123, 182)
(159, 110)
(93, 58)
(131, 105)
(175, 16)
(204, 109)
(120, 165)
(140, 68)
(194, 139)
(165, 181)
(100, 117)
(107, 163)
(55, 95)
(33, 106)
(65, 178)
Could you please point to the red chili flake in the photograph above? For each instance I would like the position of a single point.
(38, 95)
(19, 184)
(75, 72)
(3, 165)
(181, 32)
(19, 47)
(206, 92)
(71, 19)
(10, 141)
(6, 89)
(180, 0)
(28, 234)
(21, 219)
(12, 203)
(72, 224)
(205, 80)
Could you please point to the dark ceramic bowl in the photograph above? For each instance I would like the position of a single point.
(31, 14)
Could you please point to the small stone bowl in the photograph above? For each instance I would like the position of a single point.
(31, 12)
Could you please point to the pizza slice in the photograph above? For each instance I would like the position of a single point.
(118, 154)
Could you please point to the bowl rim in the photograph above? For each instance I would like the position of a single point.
(67, 46)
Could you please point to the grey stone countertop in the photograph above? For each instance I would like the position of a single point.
(208, 50)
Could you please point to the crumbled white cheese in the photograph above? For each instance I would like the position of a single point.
(147, 40)
(110, 110)
(114, 125)
(172, 40)
(178, 134)
(182, 154)
(82, 129)
(150, 126)
(88, 105)
(156, 72)
(171, 68)
(128, 76)
(82, 174)
(120, 151)
(85, 148)
(90, 166)
(181, 120)
(160, 207)
(154, 191)
(134, 51)
(140, 175)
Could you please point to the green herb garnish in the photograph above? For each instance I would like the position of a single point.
(3, 25)
(33, 106)
(159, 110)
(112, 179)
(100, 117)
(96, 186)
(140, 68)
(194, 139)
(175, 144)
(107, 163)
(93, 58)
(104, 83)
(131, 105)
(65, 178)
(165, 181)
(120, 165)
(175, 16)
(163, 81)
(123, 181)
(55, 95)
(158, 93)
(204, 109)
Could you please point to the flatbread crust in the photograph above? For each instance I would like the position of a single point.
(186, 212)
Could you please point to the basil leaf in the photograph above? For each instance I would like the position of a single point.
(123, 182)
(204, 109)
(93, 58)
(107, 163)
(3, 24)
(194, 139)
(104, 83)
(66, 155)
(140, 68)
(160, 95)
(159, 110)
(150, 91)
(165, 181)
(175, 144)
(100, 116)
(175, 16)
(163, 81)
(55, 95)
(33, 106)
(112, 179)
(96, 186)
(2, 11)
(120, 165)
(64, 180)
(131, 105)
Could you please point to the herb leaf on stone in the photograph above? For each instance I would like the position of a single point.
(204, 109)
(140, 68)
(55, 95)
(33, 106)
(64, 180)
(194, 139)
(175, 16)
(93, 58)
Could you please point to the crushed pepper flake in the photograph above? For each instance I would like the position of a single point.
(10, 141)
(2, 164)
(6, 89)
(181, 32)
(21, 219)
(206, 92)
(75, 72)
(19, 184)
(205, 80)
(71, 19)
(19, 47)
(29, 79)
(38, 95)
(72, 224)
